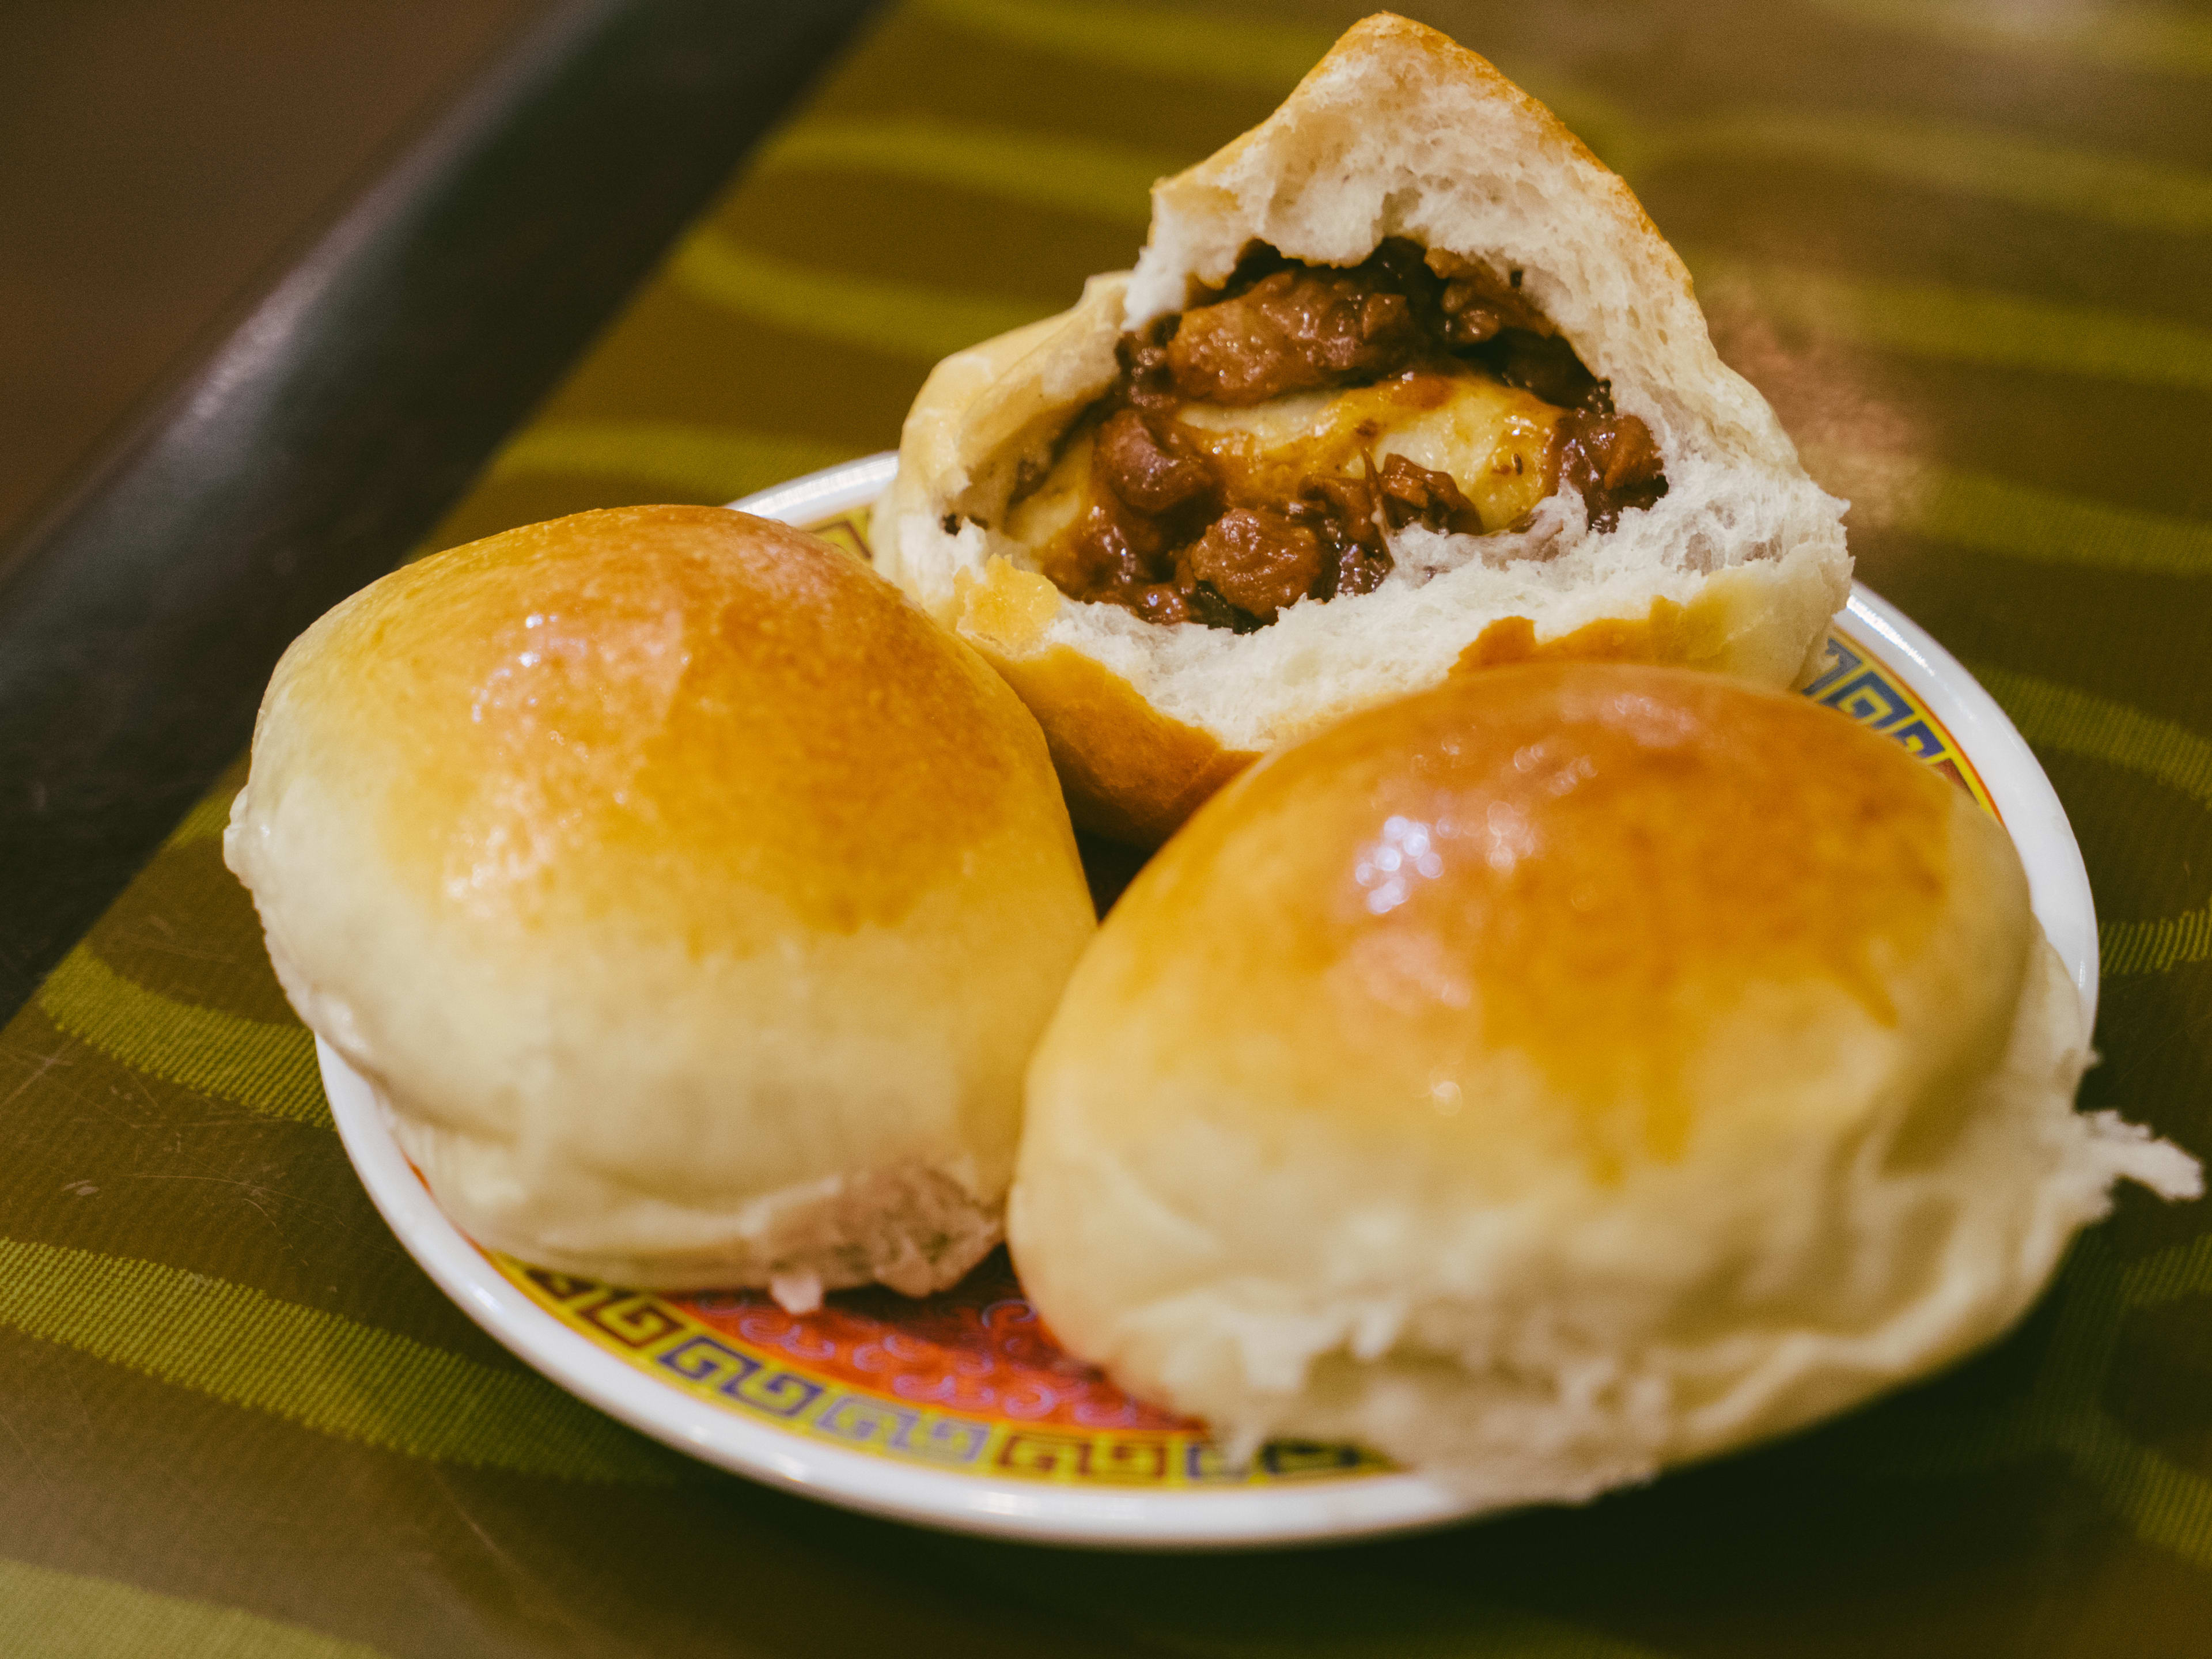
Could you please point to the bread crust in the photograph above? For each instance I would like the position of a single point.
(1558, 1076)
(690, 900)
(1397, 131)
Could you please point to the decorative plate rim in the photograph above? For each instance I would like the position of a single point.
(1038, 1512)
(1030, 1511)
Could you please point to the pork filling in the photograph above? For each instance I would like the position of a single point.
(1260, 447)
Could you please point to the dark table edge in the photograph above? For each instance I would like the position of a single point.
(325, 433)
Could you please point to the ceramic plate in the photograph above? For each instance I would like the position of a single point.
(957, 1411)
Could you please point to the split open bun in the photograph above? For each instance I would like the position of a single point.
(1397, 133)
(1557, 1075)
(691, 902)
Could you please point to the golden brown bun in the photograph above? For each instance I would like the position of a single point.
(691, 900)
(1560, 1074)
(1398, 132)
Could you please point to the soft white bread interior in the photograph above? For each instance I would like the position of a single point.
(1397, 132)
(1570, 1072)
(691, 901)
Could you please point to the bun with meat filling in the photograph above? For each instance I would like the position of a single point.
(1403, 383)
(1551, 1078)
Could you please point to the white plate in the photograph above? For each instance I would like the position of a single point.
(872, 1405)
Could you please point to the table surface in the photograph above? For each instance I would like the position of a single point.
(158, 157)
(1966, 252)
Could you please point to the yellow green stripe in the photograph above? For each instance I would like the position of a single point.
(2058, 717)
(2005, 167)
(714, 463)
(2155, 946)
(1995, 515)
(2004, 331)
(206, 820)
(1997, 329)
(2155, 39)
(2165, 1505)
(1111, 182)
(1921, 320)
(908, 320)
(2168, 1275)
(1071, 175)
(324, 1372)
(2119, 190)
(1158, 41)
(1365, 1619)
(1174, 1604)
(45, 1614)
(253, 1063)
(2054, 716)
(1244, 52)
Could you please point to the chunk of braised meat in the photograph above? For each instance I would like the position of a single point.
(1611, 460)
(1113, 558)
(1360, 564)
(1158, 602)
(1155, 539)
(1478, 304)
(1258, 559)
(1147, 498)
(1293, 330)
(1150, 472)
(1146, 380)
(1204, 606)
(1412, 494)
(1341, 512)
(1545, 365)
(1111, 553)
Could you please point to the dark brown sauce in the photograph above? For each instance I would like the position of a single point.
(1160, 535)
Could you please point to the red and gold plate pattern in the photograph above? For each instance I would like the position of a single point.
(969, 1380)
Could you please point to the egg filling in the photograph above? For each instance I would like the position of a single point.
(1263, 446)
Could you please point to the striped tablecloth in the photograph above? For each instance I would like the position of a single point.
(1966, 250)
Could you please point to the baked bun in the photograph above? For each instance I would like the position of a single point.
(1565, 358)
(1560, 1074)
(691, 901)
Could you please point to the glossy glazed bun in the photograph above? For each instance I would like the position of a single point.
(690, 900)
(1560, 1074)
(1397, 132)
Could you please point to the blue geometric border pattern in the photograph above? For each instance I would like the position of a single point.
(1853, 682)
